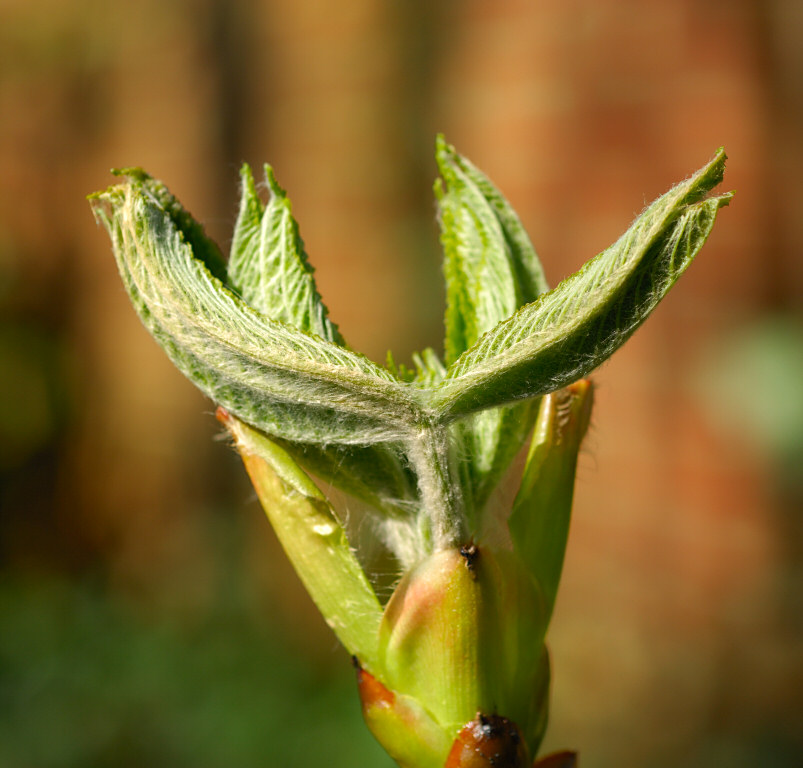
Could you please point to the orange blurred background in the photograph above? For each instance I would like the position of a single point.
(147, 616)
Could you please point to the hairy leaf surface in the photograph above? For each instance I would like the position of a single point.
(271, 375)
(268, 266)
(491, 269)
(490, 265)
(571, 330)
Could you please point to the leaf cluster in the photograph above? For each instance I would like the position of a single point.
(425, 450)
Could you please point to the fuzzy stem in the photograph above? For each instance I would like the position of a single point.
(430, 452)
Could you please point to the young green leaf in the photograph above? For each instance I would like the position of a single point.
(480, 281)
(571, 330)
(491, 269)
(270, 270)
(203, 249)
(268, 266)
(468, 186)
(269, 374)
(490, 265)
(429, 369)
(314, 541)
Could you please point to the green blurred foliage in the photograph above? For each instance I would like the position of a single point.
(85, 682)
(752, 382)
(32, 405)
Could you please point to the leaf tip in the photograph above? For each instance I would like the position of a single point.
(445, 153)
(710, 175)
(275, 188)
(102, 203)
(247, 177)
(725, 199)
(135, 173)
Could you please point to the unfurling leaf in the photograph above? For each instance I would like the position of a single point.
(491, 269)
(269, 269)
(490, 265)
(268, 266)
(566, 333)
(269, 374)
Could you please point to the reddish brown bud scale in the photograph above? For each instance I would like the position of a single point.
(372, 692)
(406, 731)
(488, 741)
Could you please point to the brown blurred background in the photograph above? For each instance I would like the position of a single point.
(147, 616)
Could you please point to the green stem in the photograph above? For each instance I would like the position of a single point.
(430, 452)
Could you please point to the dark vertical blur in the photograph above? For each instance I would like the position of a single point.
(147, 616)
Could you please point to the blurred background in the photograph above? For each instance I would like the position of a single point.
(147, 615)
